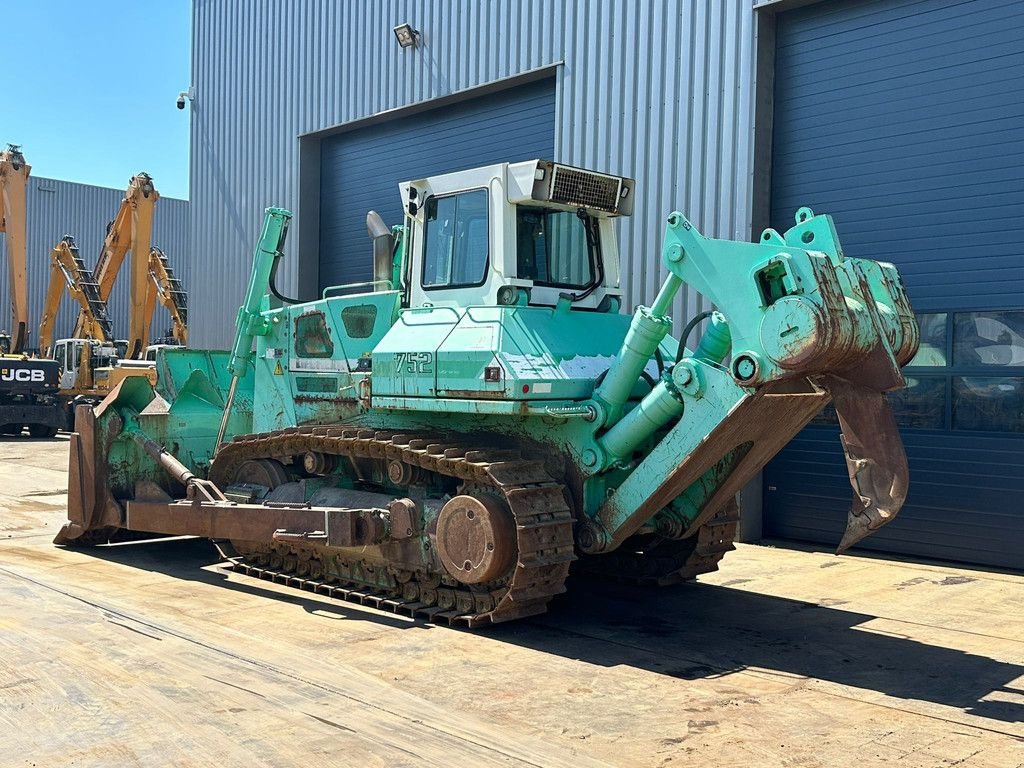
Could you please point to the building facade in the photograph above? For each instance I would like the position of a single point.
(898, 117)
(57, 208)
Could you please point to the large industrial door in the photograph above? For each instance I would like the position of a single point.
(360, 170)
(903, 119)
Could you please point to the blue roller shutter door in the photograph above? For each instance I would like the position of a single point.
(360, 170)
(903, 119)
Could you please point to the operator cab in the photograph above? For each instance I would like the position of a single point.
(530, 233)
(68, 352)
(153, 349)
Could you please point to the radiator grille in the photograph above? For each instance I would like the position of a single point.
(586, 190)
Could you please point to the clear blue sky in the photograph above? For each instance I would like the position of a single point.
(90, 86)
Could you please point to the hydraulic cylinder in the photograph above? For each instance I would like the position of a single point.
(662, 404)
(716, 342)
(646, 332)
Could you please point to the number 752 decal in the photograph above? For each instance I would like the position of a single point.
(414, 362)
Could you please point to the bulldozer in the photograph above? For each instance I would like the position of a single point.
(449, 439)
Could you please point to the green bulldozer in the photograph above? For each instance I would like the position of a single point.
(451, 438)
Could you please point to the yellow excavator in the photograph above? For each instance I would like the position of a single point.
(131, 230)
(166, 288)
(89, 361)
(151, 278)
(29, 396)
(93, 361)
(14, 173)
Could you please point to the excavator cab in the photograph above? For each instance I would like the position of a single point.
(72, 355)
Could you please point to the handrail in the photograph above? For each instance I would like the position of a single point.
(365, 284)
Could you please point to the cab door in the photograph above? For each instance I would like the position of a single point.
(68, 354)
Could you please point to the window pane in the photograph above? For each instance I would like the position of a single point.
(932, 351)
(456, 240)
(922, 405)
(359, 320)
(440, 241)
(553, 248)
(312, 338)
(988, 338)
(992, 403)
(471, 239)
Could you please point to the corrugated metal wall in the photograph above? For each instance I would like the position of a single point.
(57, 208)
(661, 91)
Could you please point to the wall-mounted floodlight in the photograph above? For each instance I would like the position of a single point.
(406, 35)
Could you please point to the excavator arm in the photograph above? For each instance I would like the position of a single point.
(166, 288)
(67, 270)
(14, 173)
(131, 230)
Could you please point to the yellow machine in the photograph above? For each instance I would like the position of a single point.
(29, 396)
(166, 288)
(67, 269)
(131, 230)
(14, 173)
(90, 361)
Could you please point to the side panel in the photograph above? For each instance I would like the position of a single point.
(404, 362)
(310, 368)
(539, 353)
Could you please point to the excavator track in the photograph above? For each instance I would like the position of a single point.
(543, 523)
(661, 562)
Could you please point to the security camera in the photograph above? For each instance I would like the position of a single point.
(181, 101)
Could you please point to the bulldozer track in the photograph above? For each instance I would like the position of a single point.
(543, 521)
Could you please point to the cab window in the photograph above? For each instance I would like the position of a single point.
(456, 240)
(554, 248)
(312, 337)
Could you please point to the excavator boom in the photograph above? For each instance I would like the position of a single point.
(130, 231)
(14, 173)
(166, 288)
(67, 270)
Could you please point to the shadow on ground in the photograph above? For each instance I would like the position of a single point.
(690, 631)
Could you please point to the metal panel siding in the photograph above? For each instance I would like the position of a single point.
(57, 208)
(964, 501)
(661, 91)
(359, 171)
(903, 120)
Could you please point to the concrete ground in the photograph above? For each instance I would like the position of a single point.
(153, 655)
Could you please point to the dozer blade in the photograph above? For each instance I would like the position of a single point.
(93, 515)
